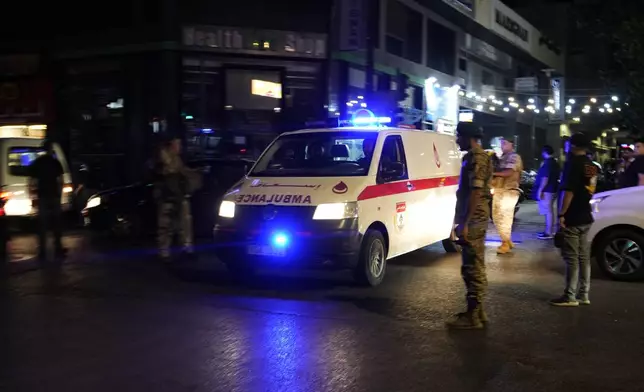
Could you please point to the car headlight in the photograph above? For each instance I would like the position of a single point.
(93, 202)
(227, 209)
(594, 203)
(336, 211)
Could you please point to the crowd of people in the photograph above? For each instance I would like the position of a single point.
(565, 192)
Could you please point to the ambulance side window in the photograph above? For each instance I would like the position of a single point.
(393, 165)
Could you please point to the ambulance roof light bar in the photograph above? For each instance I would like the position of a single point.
(23, 131)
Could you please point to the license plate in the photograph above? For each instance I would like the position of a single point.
(265, 250)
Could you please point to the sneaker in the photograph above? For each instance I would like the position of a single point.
(544, 236)
(564, 301)
(583, 300)
(466, 320)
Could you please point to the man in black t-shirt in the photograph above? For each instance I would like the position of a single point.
(578, 185)
(634, 174)
(46, 179)
(545, 190)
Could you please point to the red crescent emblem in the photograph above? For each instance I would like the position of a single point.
(340, 188)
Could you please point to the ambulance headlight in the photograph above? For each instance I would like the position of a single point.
(227, 209)
(335, 211)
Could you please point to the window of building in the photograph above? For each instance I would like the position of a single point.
(487, 78)
(402, 37)
(441, 47)
(462, 64)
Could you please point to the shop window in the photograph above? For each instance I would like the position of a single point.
(462, 64)
(487, 78)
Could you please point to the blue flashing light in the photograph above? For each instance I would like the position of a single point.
(206, 130)
(280, 240)
(374, 121)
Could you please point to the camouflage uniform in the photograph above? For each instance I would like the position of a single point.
(476, 172)
(173, 213)
(506, 197)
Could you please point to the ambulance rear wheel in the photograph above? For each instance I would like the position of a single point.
(372, 264)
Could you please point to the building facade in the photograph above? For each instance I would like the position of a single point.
(229, 79)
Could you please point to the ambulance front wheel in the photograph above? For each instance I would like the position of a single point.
(372, 264)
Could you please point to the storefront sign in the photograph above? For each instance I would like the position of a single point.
(257, 42)
(509, 25)
(527, 84)
(512, 26)
(353, 24)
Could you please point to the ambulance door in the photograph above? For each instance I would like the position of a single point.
(393, 179)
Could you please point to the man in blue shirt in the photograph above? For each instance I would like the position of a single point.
(545, 190)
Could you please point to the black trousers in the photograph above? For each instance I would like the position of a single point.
(50, 219)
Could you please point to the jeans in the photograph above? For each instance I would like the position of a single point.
(575, 251)
(547, 209)
(50, 219)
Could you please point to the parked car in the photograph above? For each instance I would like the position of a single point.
(129, 212)
(617, 235)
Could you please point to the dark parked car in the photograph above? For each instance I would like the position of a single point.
(129, 212)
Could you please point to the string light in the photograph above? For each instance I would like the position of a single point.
(536, 104)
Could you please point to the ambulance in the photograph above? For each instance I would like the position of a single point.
(345, 198)
(20, 145)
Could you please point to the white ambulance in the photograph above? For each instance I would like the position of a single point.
(348, 198)
(20, 145)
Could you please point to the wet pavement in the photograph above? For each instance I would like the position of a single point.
(115, 321)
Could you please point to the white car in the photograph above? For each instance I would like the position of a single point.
(617, 236)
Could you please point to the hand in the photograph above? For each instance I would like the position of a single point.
(462, 232)
(562, 222)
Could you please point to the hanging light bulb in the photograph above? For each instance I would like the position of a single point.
(531, 100)
(571, 101)
(615, 98)
(593, 100)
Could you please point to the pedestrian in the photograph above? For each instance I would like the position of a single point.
(506, 194)
(172, 193)
(472, 216)
(46, 185)
(546, 185)
(578, 184)
(634, 173)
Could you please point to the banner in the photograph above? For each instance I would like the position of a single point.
(557, 91)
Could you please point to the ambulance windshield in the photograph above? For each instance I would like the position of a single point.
(318, 154)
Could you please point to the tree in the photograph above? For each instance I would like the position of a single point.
(614, 35)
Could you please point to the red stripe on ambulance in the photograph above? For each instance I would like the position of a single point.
(396, 188)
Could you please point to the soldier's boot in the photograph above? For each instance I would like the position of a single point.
(512, 245)
(467, 320)
(482, 315)
(504, 248)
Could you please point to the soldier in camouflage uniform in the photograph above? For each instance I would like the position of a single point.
(173, 214)
(472, 216)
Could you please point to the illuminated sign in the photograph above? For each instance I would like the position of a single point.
(266, 89)
(466, 117)
(256, 42)
(23, 131)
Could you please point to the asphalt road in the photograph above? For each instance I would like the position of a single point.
(115, 321)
